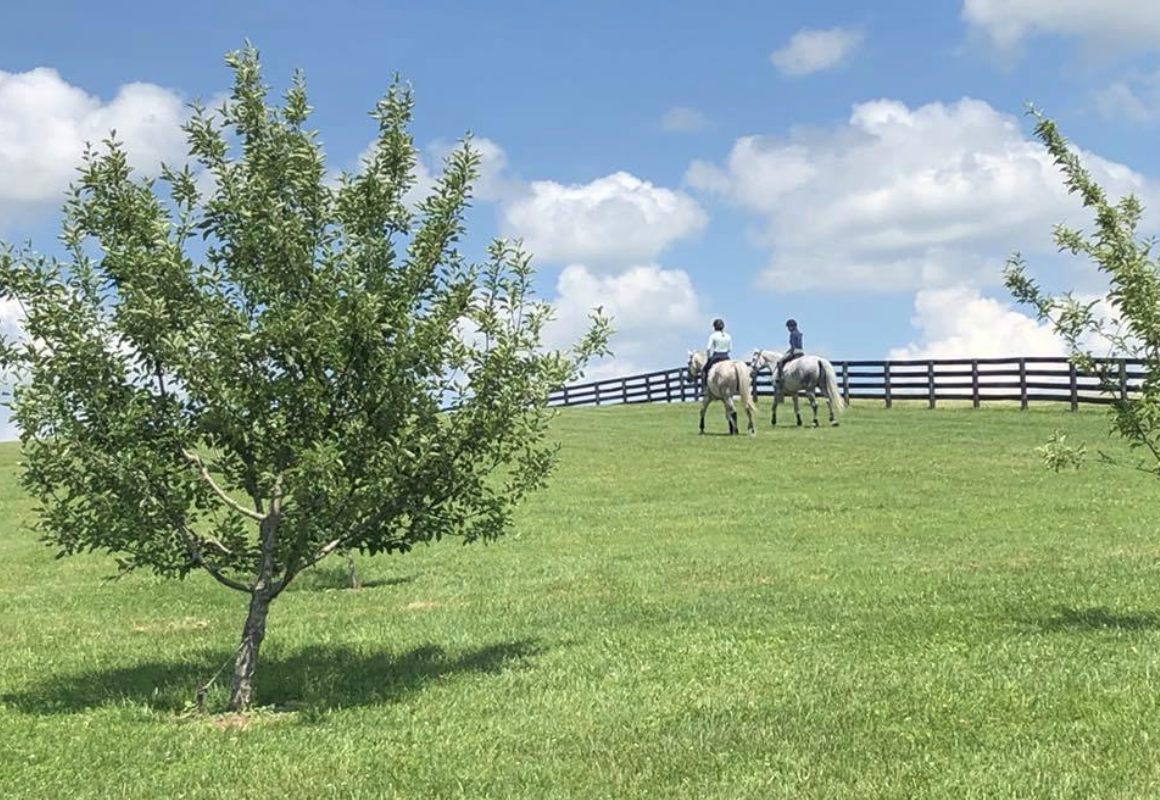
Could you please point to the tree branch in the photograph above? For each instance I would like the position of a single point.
(209, 566)
(348, 539)
(196, 460)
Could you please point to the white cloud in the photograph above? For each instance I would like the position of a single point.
(45, 122)
(493, 183)
(815, 50)
(959, 322)
(1106, 26)
(1133, 98)
(655, 313)
(615, 220)
(900, 199)
(681, 119)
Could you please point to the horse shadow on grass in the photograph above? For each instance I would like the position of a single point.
(1094, 619)
(319, 677)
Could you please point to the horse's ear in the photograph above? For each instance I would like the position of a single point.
(690, 355)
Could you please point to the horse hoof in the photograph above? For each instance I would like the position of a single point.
(816, 423)
(834, 424)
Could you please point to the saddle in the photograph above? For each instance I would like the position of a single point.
(779, 372)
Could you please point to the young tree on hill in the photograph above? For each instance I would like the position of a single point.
(246, 377)
(1133, 294)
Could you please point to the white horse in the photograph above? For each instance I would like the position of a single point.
(727, 378)
(804, 373)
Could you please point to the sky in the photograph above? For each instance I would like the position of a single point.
(864, 168)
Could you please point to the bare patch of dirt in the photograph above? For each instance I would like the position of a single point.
(231, 722)
(422, 605)
(172, 626)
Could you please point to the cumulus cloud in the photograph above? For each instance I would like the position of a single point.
(494, 182)
(612, 221)
(815, 50)
(681, 119)
(1107, 26)
(45, 122)
(900, 199)
(959, 322)
(1134, 98)
(655, 311)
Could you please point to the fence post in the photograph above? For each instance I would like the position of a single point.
(974, 383)
(668, 387)
(846, 382)
(596, 388)
(1073, 379)
(1022, 384)
(566, 402)
(886, 381)
(930, 382)
(1123, 380)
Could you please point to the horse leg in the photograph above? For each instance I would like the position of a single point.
(704, 405)
(776, 403)
(814, 406)
(830, 405)
(750, 407)
(731, 415)
(797, 409)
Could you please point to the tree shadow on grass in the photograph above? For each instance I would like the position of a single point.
(1094, 619)
(336, 577)
(317, 677)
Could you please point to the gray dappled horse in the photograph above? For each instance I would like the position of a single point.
(727, 378)
(804, 373)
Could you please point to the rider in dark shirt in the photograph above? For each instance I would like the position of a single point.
(795, 346)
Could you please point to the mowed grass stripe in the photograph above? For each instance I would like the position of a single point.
(905, 606)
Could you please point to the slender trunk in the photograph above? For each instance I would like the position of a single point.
(264, 592)
(247, 659)
(352, 581)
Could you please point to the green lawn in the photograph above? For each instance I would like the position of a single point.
(908, 606)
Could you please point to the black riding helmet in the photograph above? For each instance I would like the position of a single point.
(791, 322)
(718, 324)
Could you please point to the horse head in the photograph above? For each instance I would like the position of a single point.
(695, 364)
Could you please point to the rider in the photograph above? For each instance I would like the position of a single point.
(718, 348)
(795, 346)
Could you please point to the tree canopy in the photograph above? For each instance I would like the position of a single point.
(248, 365)
(1125, 323)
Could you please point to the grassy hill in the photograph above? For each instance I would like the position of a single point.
(908, 606)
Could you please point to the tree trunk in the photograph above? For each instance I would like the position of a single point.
(352, 581)
(247, 659)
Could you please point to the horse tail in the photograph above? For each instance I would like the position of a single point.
(745, 386)
(832, 390)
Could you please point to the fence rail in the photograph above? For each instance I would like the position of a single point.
(1033, 379)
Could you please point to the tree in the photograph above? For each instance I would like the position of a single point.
(1133, 296)
(247, 378)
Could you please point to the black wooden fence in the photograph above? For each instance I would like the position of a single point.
(1026, 380)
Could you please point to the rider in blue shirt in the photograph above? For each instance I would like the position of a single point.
(795, 346)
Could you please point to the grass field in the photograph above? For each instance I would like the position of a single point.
(908, 606)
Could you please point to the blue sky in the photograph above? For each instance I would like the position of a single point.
(865, 168)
